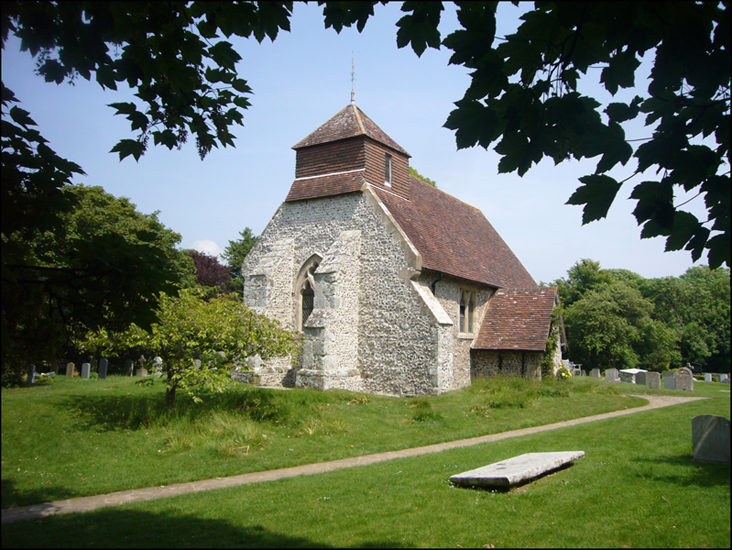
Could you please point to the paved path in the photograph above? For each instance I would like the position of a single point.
(84, 504)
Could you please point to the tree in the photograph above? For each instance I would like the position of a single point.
(697, 305)
(102, 264)
(219, 332)
(582, 277)
(209, 272)
(611, 326)
(416, 174)
(237, 250)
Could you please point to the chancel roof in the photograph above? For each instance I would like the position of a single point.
(349, 122)
(455, 238)
(517, 319)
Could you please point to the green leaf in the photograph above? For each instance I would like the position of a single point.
(224, 55)
(685, 226)
(127, 147)
(597, 194)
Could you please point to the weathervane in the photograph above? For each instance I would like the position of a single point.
(353, 78)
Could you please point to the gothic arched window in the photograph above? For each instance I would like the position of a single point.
(305, 291)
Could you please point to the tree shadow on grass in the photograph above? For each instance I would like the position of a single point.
(111, 412)
(702, 474)
(114, 527)
(13, 497)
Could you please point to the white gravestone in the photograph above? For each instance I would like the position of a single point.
(707, 377)
(85, 369)
(70, 369)
(595, 373)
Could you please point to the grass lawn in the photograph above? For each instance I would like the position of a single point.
(636, 486)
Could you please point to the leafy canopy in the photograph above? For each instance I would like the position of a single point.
(219, 332)
(237, 250)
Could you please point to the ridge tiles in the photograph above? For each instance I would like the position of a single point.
(349, 122)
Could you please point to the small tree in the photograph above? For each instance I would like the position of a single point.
(235, 253)
(219, 333)
(209, 272)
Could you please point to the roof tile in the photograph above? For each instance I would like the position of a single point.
(349, 122)
(517, 319)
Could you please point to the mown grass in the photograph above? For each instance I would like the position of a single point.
(637, 486)
(78, 437)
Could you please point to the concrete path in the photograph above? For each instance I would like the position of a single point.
(84, 504)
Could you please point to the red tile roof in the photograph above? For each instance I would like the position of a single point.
(349, 122)
(517, 319)
(325, 186)
(455, 238)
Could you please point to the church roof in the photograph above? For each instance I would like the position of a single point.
(517, 319)
(349, 122)
(455, 238)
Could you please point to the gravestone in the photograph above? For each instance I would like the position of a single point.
(103, 364)
(129, 366)
(684, 380)
(669, 381)
(611, 375)
(31, 374)
(724, 378)
(707, 376)
(640, 378)
(710, 437)
(653, 380)
(595, 373)
(85, 369)
(157, 366)
(70, 369)
(94, 365)
(141, 372)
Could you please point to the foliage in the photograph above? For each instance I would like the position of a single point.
(237, 250)
(697, 305)
(524, 96)
(523, 92)
(563, 373)
(582, 277)
(428, 181)
(209, 272)
(218, 332)
(611, 327)
(102, 264)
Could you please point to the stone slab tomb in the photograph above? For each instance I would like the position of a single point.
(710, 437)
(515, 470)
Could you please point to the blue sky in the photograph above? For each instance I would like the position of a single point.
(300, 81)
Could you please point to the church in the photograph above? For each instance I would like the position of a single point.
(396, 287)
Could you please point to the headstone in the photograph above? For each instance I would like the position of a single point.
(669, 381)
(197, 364)
(710, 437)
(723, 378)
(653, 380)
(640, 378)
(515, 470)
(31, 374)
(140, 372)
(684, 380)
(157, 366)
(103, 364)
(85, 369)
(94, 365)
(707, 376)
(611, 375)
(70, 369)
(595, 373)
(129, 366)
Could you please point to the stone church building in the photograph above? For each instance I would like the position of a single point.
(398, 288)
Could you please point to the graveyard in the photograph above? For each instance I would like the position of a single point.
(633, 487)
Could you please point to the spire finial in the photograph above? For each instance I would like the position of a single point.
(353, 78)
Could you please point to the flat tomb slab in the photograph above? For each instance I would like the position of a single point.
(515, 470)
